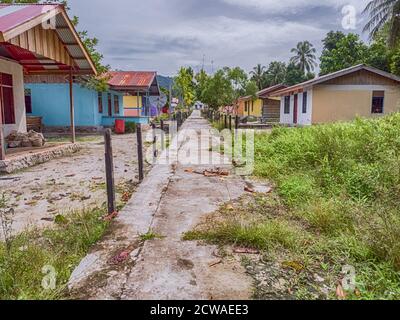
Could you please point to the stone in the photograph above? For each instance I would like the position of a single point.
(25, 140)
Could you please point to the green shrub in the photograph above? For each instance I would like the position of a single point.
(130, 127)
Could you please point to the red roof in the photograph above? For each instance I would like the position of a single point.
(12, 16)
(132, 79)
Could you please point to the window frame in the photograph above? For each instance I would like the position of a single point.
(116, 104)
(286, 105)
(100, 107)
(9, 86)
(375, 95)
(305, 103)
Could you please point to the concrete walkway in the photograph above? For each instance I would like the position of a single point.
(171, 201)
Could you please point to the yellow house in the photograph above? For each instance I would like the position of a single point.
(265, 106)
(359, 91)
(248, 106)
(132, 106)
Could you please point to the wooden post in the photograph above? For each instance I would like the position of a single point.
(225, 121)
(162, 124)
(155, 153)
(109, 171)
(140, 150)
(71, 105)
(179, 119)
(230, 122)
(237, 122)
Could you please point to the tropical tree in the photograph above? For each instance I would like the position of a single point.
(347, 52)
(218, 91)
(201, 79)
(304, 56)
(185, 86)
(275, 73)
(384, 14)
(295, 75)
(258, 75)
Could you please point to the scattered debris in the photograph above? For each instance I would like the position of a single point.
(25, 140)
(243, 250)
(120, 258)
(248, 189)
(111, 216)
(297, 266)
(215, 263)
(340, 293)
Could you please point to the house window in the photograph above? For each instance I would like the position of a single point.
(100, 102)
(7, 98)
(378, 99)
(245, 106)
(116, 104)
(287, 105)
(28, 100)
(252, 106)
(305, 102)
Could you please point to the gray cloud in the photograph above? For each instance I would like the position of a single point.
(163, 35)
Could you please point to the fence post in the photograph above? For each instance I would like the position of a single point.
(140, 150)
(153, 127)
(225, 121)
(230, 122)
(237, 122)
(179, 119)
(109, 171)
(162, 124)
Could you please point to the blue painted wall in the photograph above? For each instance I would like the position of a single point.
(51, 101)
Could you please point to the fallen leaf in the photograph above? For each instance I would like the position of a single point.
(246, 250)
(111, 216)
(215, 263)
(121, 257)
(189, 170)
(340, 292)
(297, 266)
(248, 189)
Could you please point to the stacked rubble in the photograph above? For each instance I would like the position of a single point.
(25, 140)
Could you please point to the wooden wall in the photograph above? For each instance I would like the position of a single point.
(44, 42)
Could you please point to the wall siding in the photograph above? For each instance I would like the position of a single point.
(346, 102)
(51, 101)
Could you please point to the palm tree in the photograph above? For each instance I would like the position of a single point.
(384, 13)
(304, 56)
(276, 73)
(257, 75)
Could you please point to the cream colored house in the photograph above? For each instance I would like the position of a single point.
(359, 91)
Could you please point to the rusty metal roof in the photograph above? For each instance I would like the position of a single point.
(132, 79)
(18, 18)
(12, 16)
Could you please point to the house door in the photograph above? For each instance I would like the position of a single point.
(295, 109)
(109, 105)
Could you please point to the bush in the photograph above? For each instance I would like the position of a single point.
(339, 178)
(130, 127)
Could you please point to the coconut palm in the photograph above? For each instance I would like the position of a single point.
(276, 73)
(304, 56)
(382, 14)
(258, 75)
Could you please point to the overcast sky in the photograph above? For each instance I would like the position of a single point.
(163, 35)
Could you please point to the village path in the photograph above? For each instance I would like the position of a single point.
(62, 185)
(172, 200)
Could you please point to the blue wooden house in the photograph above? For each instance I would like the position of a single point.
(48, 97)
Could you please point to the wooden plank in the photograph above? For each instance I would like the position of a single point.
(31, 40)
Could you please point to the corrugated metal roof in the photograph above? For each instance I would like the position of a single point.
(132, 78)
(12, 16)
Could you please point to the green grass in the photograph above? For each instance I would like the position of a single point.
(150, 236)
(64, 139)
(62, 247)
(339, 185)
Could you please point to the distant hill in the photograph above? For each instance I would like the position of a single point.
(164, 82)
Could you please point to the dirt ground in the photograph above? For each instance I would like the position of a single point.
(77, 182)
